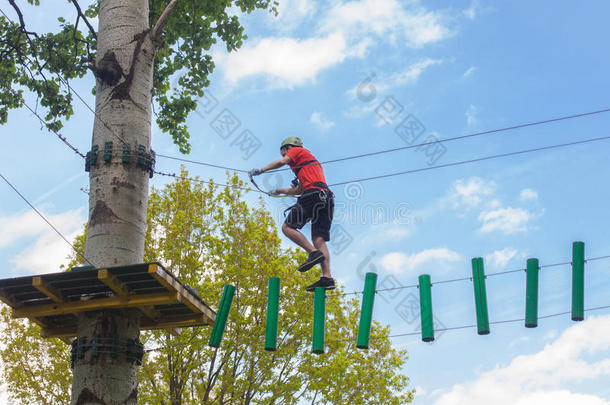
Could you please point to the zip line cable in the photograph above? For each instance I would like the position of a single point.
(45, 219)
(201, 163)
(492, 131)
(246, 189)
(476, 134)
(463, 162)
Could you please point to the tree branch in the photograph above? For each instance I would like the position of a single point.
(156, 31)
(81, 15)
(21, 20)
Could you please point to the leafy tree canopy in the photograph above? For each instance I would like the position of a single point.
(45, 63)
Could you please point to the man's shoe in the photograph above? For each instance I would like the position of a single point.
(328, 283)
(314, 258)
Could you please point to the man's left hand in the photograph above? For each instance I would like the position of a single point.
(254, 172)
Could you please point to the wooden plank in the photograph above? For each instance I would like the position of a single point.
(47, 289)
(8, 300)
(167, 281)
(113, 283)
(96, 304)
(150, 312)
(185, 296)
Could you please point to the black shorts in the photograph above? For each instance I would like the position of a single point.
(316, 206)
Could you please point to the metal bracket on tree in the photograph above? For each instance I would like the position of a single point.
(141, 157)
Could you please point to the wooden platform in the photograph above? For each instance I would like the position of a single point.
(53, 300)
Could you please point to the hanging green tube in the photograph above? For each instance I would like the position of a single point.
(531, 293)
(578, 281)
(273, 304)
(222, 315)
(480, 295)
(319, 318)
(425, 305)
(366, 313)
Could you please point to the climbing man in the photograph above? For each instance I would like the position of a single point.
(316, 203)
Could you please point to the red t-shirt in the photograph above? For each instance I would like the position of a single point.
(306, 167)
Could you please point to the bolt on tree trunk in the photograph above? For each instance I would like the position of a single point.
(118, 195)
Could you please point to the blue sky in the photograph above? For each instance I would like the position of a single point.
(453, 68)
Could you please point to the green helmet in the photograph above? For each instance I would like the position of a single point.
(292, 140)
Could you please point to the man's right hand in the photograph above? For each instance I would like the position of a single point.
(254, 172)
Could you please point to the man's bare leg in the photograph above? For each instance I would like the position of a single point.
(297, 237)
(320, 244)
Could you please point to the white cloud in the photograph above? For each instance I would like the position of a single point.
(30, 224)
(380, 83)
(470, 193)
(508, 220)
(398, 262)
(396, 232)
(501, 258)
(320, 121)
(527, 194)
(471, 12)
(387, 19)
(470, 71)
(292, 14)
(579, 354)
(407, 76)
(347, 30)
(49, 250)
(286, 62)
(471, 116)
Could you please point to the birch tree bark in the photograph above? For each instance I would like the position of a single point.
(118, 191)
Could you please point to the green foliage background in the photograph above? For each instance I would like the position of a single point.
(210, 237)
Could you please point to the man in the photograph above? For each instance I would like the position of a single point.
(315, 203)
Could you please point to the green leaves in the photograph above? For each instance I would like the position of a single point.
(184, 59)
(212, 238)
(208, 237)
(44, 63)
(41, 64)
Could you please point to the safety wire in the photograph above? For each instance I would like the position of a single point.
(45, 219)
(418, 145)
(469, 326)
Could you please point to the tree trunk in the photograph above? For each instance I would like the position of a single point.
(118, 194)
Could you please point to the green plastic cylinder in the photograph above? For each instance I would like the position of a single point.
(273, 304)
(319, 318)
(578, 281)
(531, 293)
(366, 313)
(425, 305)
(222, 315)
(480, 296)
